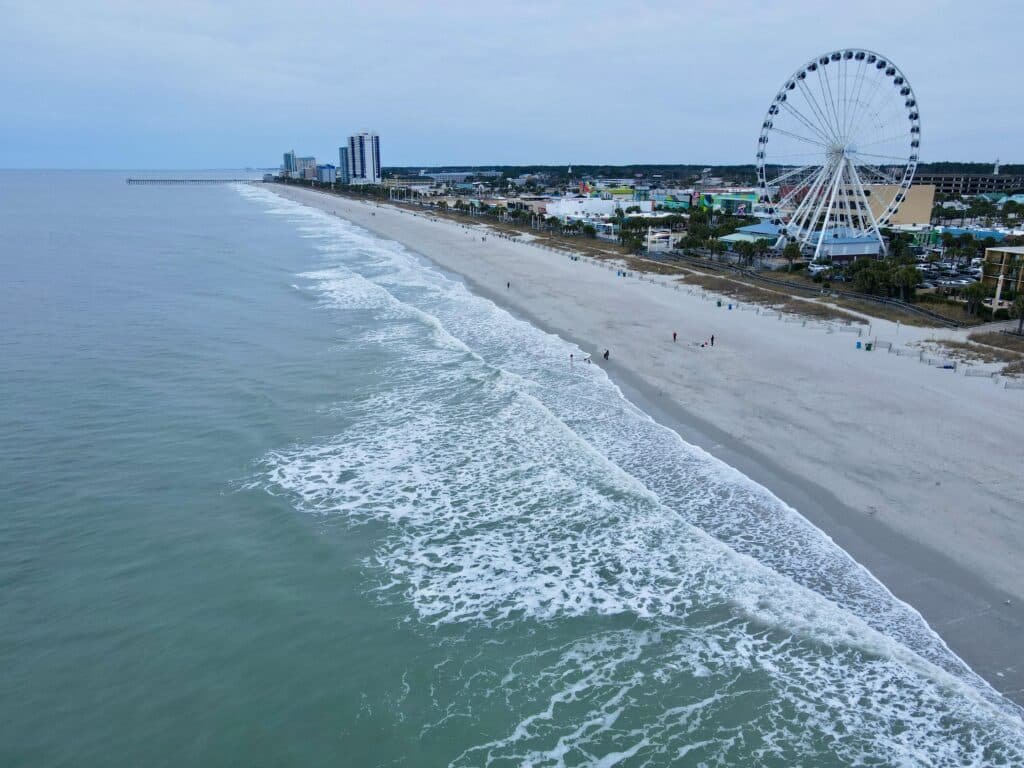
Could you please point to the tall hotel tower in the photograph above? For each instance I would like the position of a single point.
(364, 158)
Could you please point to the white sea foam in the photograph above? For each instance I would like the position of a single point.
(515, 487)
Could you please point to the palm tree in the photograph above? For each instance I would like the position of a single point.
(746, 250)
(791, 253)
(761, 248)
(975, 295)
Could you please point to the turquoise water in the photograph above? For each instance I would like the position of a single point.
(277, 492)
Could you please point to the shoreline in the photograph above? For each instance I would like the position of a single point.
(978, 619)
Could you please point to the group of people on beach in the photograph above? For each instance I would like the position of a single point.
(607, 353)
(572, 357)
(709, 343)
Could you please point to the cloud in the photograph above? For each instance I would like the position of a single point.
(230, 83)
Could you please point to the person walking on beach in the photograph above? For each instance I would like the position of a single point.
(605, 354)
(673, 337)
(712, 339)
(508, 286)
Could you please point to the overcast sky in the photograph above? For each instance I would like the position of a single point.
(188, 84)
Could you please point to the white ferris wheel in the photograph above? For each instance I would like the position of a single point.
(838, 149)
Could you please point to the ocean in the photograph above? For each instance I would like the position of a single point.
(276, 491)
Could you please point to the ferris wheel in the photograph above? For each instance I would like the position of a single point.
(838, 149)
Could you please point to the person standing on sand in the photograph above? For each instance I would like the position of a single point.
(605, 354)
(508, 286)
(673, 337)
(712, 339)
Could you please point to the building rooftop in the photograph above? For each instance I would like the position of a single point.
(1017, 249)
(742, 237)
(764, 228)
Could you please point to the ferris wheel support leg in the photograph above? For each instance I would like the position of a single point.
(871, 214)
(807, 204)
(828, 211)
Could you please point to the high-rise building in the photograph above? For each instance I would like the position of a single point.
(343, 174)
(290, 164)
(305, 167)
(364, 158)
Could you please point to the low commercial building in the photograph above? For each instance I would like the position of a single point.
(446, 177)
(740, 203)
(915, 210)
(590, 207)
(753, 233)
(672, 201)
(840, 246)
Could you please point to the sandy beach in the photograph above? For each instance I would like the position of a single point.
(912, 469)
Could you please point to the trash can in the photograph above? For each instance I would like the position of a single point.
(858, 345)
(719, 302)
(867, 346)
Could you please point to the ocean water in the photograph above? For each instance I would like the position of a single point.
(275, 491)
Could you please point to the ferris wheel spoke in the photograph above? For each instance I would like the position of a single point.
(825, 101)
(799, 188)
(891, 138)
(792, 173)
(844, 92)
(870, 97)
(805, 120)
(833, 101)
(798, 137)
(861, 77)
(812, 102)
(881, 174)
(876, 124)
(803, 157)
(867, 113)
(902, 159)
(810, 201)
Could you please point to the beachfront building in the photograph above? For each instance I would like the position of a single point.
(342, 174)
(290, 165)
(305, 167)
(326, 174)
(1003, 269)
(364, 158)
